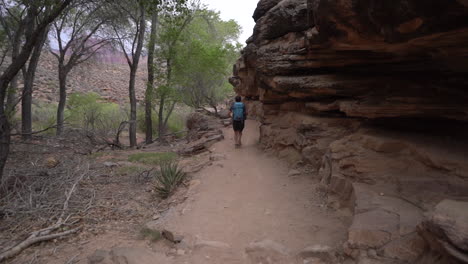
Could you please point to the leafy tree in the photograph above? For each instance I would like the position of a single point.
(157, 6)
(173, 22)
(29, 73)
(39, 14)
(13, 24)
(77, 36)
(130, 32)
(205, 59)
(16, 31)
(150, 85)
(197, 49)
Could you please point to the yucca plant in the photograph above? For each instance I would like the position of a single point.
(169, 177)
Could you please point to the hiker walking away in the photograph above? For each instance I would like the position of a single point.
(239, 115)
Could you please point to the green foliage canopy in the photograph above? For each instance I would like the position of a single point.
(198, 49)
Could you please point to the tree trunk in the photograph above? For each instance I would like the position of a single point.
(149, 113)
(169, 113)
(26, 101)
(62, 99)
(11, 96)
(4, 139)
(133, 71)
(150, 87)
(161, 122)
(161, 127)
(133, 110)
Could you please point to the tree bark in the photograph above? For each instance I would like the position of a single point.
(133, 110)
(4, 139)
(161, 128)
(133, 71)
(62, 99)
(16, 43)
(162, 102)
(150, 87)
(26, 101)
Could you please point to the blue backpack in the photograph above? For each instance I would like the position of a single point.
(238, 111)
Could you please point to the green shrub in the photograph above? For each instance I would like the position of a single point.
(89, 112)
(176, 123)
(153, 158)
(151, 234)
(168, 179)
(44, 115)
(141, 121)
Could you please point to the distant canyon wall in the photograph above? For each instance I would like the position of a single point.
(106, 74)
(374, 96)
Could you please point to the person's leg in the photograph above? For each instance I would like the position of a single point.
(236, 137)
(240, 133)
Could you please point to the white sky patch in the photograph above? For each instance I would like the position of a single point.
(239, 10)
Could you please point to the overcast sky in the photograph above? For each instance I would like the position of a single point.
(239, 10)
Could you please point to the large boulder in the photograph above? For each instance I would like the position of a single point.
(449, 222)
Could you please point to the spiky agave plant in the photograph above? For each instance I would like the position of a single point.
(167, 180)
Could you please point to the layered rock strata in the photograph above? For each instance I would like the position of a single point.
(373, 95)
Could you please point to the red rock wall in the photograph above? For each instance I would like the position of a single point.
(373, 94)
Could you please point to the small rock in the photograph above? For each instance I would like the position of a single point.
(98, 256)
(214, 244)
(321, 252)
(178, 238)
(194, 183)
(156, 216)
(110, 164)
(51, 162)
(171, 236)
(224, 114)
(180, 252)
(227, 122)
(313, 261)
(293, 173)
(268, 252)
(217, 157)
(372, 253)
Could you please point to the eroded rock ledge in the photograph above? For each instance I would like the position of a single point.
(373, 94)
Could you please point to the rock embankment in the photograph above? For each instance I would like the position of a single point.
(373, 96)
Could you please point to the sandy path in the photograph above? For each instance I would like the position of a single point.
(249, 197)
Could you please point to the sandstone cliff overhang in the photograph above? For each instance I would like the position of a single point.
(364, 58)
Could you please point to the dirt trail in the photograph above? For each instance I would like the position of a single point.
(246, 197)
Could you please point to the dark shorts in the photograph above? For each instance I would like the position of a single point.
(238, 125)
